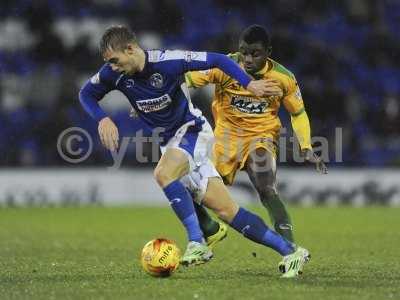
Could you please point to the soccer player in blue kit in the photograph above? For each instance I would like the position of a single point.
(153, 81)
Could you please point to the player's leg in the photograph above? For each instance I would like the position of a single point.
(171, 167)
(196, 183)
(253, 227)
(261, 169)
(183, 152)
(208, 225)
(250, 225)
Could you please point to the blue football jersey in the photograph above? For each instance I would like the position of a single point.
(158, 93)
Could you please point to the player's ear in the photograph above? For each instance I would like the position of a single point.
(269, 50)
(130, 49)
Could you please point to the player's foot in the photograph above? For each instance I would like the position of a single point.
(222, 232)
(292, 264)
(196, 254)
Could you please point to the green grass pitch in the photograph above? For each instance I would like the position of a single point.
(92, 253)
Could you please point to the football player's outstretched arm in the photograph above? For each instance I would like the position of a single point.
(196, 79)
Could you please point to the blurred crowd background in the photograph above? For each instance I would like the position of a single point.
(344, 53)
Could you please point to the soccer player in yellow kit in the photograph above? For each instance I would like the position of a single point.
(247, 127)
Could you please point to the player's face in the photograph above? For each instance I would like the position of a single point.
(254, 56)
(122, 61)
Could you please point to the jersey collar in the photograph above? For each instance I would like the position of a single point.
(266, 68)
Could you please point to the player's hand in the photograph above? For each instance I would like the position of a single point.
(264, 88)
(313, 158)
(273, 88)
(108, 133)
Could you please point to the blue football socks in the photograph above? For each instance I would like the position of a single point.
(254, 228)
(182, 203)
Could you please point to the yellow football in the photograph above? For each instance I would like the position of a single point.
(160, 257)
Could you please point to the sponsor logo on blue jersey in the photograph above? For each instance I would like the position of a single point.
(154, 104)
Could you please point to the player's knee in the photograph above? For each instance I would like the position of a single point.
(227, 213)
(162, 176)
(267, 192)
